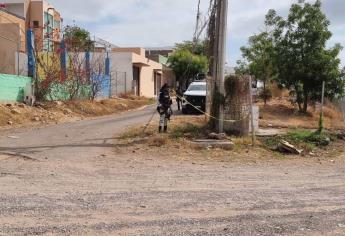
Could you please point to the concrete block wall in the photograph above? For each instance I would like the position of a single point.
(121, 71)
(12, 87)
(23, 64)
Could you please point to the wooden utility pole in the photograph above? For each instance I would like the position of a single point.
(221, 37)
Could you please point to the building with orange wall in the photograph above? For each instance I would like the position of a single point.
(144, 76)
(12, 41)
(40, 16)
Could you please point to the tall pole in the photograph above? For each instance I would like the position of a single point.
(222, 7)
(18, 59)
(322, 105)
(195, 39)
(18, 51)
(251, 110)
(116, 77)
(322, 97)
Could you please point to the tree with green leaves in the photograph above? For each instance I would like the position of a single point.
(258, 60)
(301, 56)
(197, 48)
(187, 66)
(78, 39)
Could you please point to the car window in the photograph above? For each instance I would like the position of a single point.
(197, 87)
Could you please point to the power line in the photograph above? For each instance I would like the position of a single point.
(198, 15)
(201, 24)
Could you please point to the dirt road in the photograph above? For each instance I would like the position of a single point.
(86, 138)
(69, 180)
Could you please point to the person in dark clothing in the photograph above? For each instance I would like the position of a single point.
(164, 108)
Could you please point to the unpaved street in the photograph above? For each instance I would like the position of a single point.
(69, 179)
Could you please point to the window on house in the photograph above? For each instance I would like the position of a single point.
(48, 19)
(48, 25)
(48, 45)
(36, 24)
(57, 24)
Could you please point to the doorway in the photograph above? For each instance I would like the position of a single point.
(157, 83)
(136, 81)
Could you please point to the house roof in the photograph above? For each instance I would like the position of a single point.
(101, 43)
(167, 48)
(10, 13)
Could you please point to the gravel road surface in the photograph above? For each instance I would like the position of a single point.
(68, 179)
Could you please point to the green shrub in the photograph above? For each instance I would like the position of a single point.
(301, 138)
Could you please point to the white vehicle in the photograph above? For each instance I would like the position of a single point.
(195, 96)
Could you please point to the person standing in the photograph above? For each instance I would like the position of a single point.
(164, 108)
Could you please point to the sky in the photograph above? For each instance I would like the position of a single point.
(159, 23)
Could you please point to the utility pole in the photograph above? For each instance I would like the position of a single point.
(322, 107)
(221, 37)
(195, 38)
(251, 110)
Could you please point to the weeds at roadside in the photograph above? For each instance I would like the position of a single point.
(136, 133)
(179, 131)
(188, 130)
(157, 141)
(305, 139)
(184, 129)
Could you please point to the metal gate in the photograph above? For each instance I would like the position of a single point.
(118, 84)
(341, 106)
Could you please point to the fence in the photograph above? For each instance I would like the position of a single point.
(23, 64)
(119, 84)
(340, 104)
(101, 86)
(96, 76)
(93, 73)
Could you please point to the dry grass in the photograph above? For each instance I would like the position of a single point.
(166, 146)
(22, 115)
(157, 141)
(176, 144)
(54, 112)
(180, 127)
(106, 107)
(280, 113)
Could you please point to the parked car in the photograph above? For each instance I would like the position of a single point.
(194, 96)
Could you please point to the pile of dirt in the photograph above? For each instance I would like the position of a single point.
(18, 115)
(280, 113)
